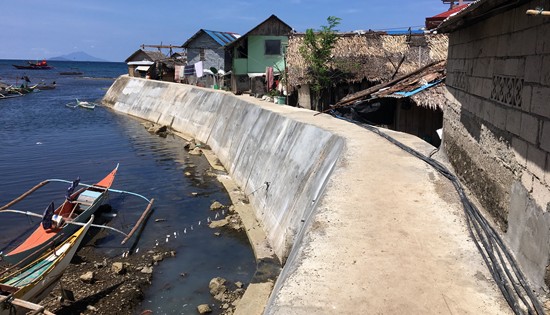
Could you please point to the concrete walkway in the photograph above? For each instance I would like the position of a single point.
(389, 237)
(370, 228)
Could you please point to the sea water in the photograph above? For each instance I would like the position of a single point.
(41, 138)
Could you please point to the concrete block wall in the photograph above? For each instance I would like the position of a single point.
(497, 128)
(254, 143)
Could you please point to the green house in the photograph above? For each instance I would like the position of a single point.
(260, 48)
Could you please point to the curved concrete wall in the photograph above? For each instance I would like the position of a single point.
(257, 144)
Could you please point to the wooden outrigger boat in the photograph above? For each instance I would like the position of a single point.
(82, 104)
(85, 104)
(77, 208)
(43, 86)
(34, 281)
(39, 65)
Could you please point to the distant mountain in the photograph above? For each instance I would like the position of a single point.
(76, 56)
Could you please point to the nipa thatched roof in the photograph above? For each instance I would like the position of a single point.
(425, 86)
(373, 56)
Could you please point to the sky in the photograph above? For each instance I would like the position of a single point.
(114, 29)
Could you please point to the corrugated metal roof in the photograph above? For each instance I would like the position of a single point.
(221, 38)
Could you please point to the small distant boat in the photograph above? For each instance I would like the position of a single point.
(34, 281)
(75, 72)
(44, 86)
(85, 104)
(82, 104)
(21, 90)
(39, 65)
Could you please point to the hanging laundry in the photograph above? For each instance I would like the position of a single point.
(269, 77)
(177, 72)
(198, 69)
(189, 70)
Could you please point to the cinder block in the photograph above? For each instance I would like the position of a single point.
(543, 38)
(503, 41)
(545, 136)
(488, 109)
(475, 85)
(536, 161)
(513, 121)
(506, 21)
(526, 92)
(540, 101)
(450, 79)
(527, 43)
(493, 27)
(545, 69)
(483, 67)
(529, 128)
(519, 147)
(514, 48)
(487, 87)
(533, 68)
(499, 66)
(477, 106)
(499, 118)
(513, 67)
(489, 47)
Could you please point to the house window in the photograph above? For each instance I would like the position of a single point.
(202, 54)
(273, 47)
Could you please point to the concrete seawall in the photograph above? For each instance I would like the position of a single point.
(256, 146)
(360, 225)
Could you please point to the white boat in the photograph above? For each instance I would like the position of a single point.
(85, 104)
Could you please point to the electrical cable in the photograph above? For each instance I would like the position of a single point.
(494, 252)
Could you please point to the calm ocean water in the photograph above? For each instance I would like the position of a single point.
(41, 138)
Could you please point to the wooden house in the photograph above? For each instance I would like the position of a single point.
(208, 47)
(140, 62)
(412, 103)
(361, 60)
(497, 126)
(261, 47)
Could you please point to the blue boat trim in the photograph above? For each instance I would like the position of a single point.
(110, 190)
(413, 92)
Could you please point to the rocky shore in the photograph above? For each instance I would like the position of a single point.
(96, 284)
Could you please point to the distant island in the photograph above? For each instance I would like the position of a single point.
(76, 56)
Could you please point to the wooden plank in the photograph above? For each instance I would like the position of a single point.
(38, 309)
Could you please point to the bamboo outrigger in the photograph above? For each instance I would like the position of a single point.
(75, 210)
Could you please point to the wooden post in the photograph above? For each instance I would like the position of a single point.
(144, 215)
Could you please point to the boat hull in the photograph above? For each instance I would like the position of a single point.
(26, 256)
(32, 67)
(39, 277)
